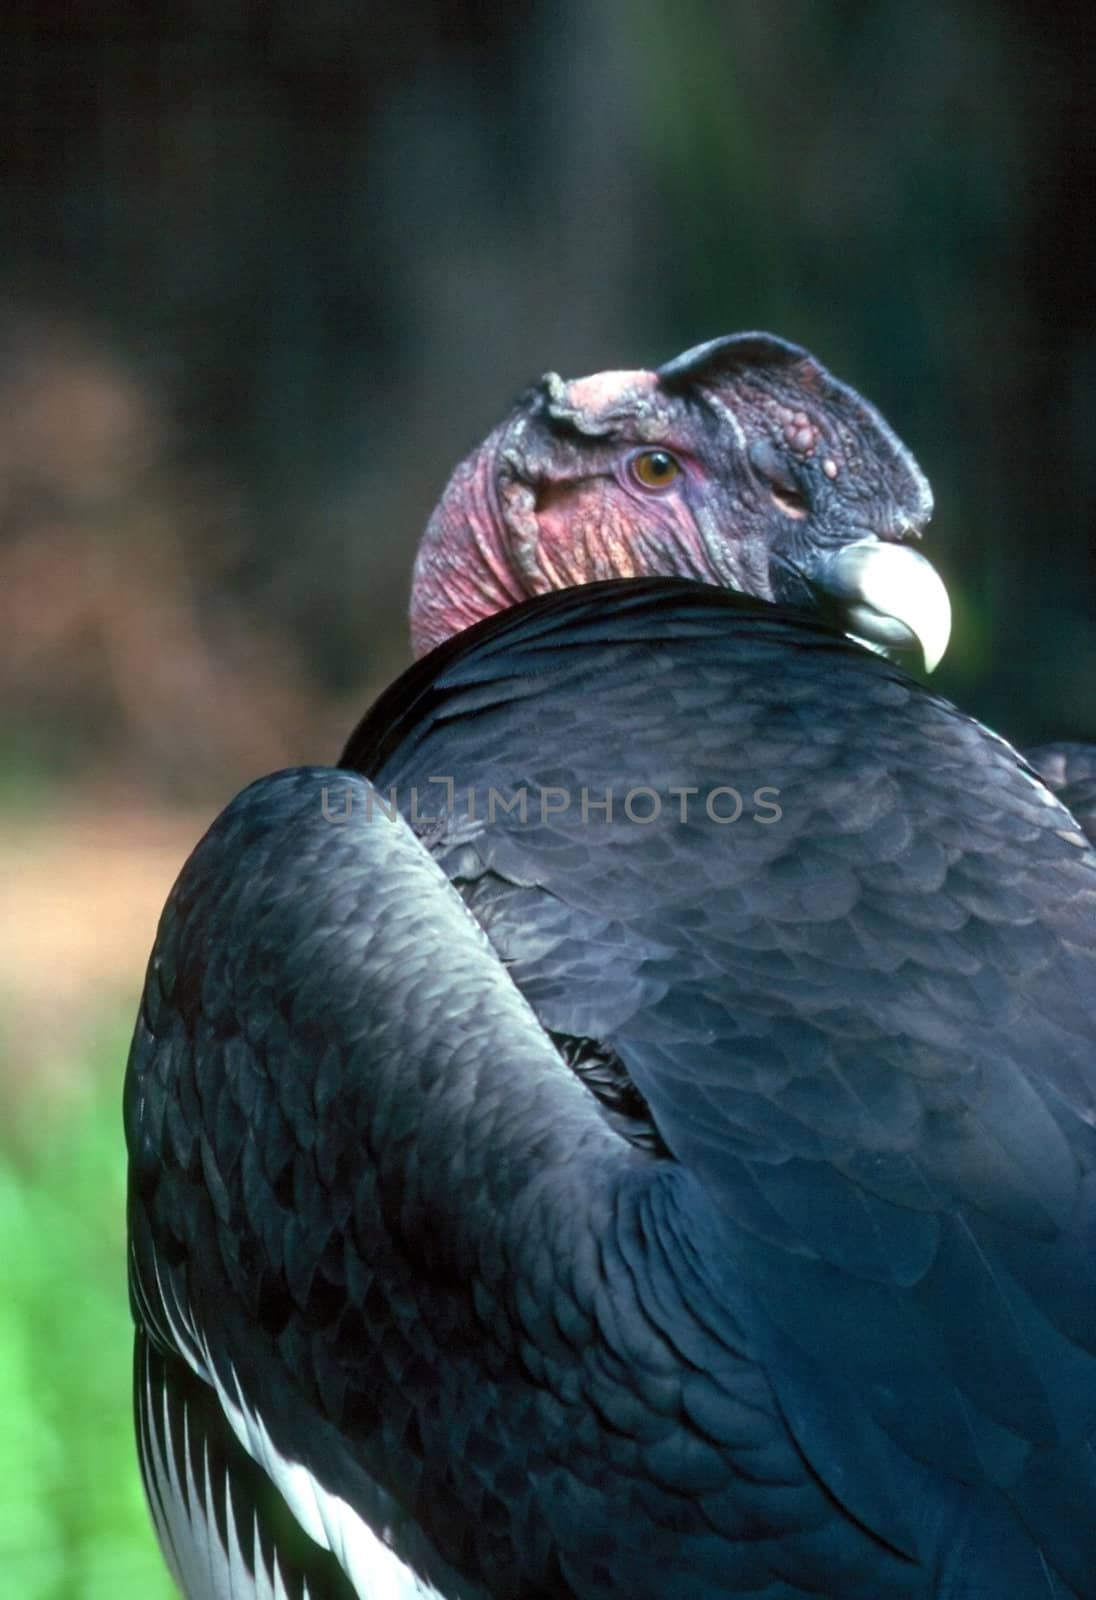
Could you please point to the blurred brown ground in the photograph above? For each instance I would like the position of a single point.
(80, 895)
(135, 702)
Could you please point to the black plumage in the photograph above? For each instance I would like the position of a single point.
(831, 1328)
(1070, 770)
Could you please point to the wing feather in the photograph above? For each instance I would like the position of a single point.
(224, 1530)
(869, 1029)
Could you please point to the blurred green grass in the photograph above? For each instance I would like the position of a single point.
(73, 1522)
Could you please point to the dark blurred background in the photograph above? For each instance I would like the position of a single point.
(266, 273)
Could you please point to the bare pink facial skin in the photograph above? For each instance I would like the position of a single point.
(737, 464)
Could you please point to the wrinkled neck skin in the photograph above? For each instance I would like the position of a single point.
(465, 568)
(535, 510)
(490, 545)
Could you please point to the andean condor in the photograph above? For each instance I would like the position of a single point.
(631, 1131)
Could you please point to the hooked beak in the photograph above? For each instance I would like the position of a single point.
(888, 596)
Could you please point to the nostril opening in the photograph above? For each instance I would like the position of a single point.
(790, 503)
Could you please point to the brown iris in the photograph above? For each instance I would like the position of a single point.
(654, 469)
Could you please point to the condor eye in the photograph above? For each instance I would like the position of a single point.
(654, 469)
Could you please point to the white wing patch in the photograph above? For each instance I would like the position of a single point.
(374, 1569)
(203, 1565)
